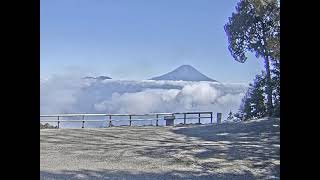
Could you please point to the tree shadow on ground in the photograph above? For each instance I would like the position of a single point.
(231, 151)
(254, 145)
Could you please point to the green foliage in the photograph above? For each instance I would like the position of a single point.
(257, 97)
(230, 116)
(245, 107)
(47, 126)
(238, 115)
(255, 27)
(276, 88)
(253, 104)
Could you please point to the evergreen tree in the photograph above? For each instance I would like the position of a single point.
(258, 97)
(245, 107)
(253, 103)
(255, 27)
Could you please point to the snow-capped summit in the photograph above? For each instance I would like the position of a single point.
(184, 73)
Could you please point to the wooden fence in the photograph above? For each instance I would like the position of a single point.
(109, 119)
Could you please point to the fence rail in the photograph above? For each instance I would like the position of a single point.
(110, 120)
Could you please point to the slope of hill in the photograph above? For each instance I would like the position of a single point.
(184, 73)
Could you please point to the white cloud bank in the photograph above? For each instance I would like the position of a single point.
(75, 95)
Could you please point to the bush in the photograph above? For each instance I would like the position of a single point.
(47, 126)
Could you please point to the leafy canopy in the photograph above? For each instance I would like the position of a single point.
(255, 27)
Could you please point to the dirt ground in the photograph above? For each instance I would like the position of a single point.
(245, 150)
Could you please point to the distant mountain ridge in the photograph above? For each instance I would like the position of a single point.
(98, 77)
(184, 73)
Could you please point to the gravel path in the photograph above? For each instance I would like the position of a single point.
(246, 150)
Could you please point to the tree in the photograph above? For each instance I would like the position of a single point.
(255, 27)
(245, 107)
(253, 103)
(230, 116)
(275, 72)
(238, 116)
(257, 96)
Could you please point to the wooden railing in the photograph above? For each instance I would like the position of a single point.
(109, 119)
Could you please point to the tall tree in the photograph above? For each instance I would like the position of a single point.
(255, 27)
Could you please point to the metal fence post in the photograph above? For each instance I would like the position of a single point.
(109, 120)
(82, 121)
(58, 122)
(157, 120)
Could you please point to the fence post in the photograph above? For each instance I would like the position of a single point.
(58, 122)
(82, 121)
(157, 120)
(219, 118)
(130, 119)
(109, 120)
(211, 117)
(199, 118)
(184, 118)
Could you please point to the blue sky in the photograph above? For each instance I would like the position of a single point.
(139, 39)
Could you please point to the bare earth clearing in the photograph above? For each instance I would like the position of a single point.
(246, 150)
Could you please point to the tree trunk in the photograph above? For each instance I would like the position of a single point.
(268, 87)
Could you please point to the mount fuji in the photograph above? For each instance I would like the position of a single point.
(184, 73)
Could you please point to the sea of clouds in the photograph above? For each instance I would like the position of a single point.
(61, 94)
